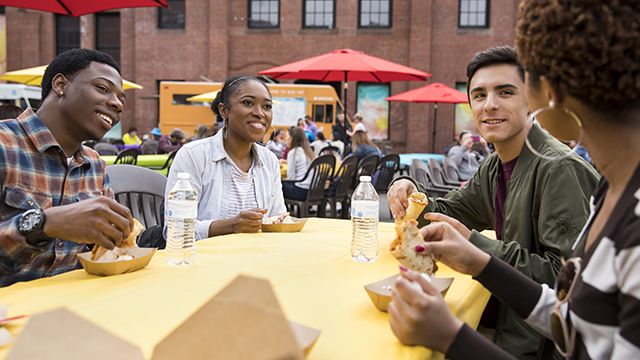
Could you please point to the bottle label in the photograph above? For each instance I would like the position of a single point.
(365, 209)
(182, 209)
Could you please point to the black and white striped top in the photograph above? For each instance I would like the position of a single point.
(605, 304)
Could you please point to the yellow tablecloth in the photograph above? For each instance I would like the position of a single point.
(155, 160)
(312, 273)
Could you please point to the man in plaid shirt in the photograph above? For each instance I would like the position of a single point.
(55, 198)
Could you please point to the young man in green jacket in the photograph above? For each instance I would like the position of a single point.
(537, 207)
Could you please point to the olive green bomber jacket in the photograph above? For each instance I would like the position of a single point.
(546, 205)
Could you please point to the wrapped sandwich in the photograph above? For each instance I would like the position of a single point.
(102, 254)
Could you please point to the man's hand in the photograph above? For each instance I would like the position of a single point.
(99, 221)
(449, 247)
(437, 217)
(418, 314)
(248, 221)
(397, 197)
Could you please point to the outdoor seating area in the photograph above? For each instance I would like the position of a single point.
(319, 179)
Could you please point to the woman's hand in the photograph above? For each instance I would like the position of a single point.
(419, 315)
(248, 221)
(451, 248)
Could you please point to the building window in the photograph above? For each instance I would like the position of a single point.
(264, 13)
(473, 14)
(67, 33)
(374, 14)
(319, 14)
(108, 34)
(172, 17)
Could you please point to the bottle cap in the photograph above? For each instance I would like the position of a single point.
(183, 176)
(365, 178)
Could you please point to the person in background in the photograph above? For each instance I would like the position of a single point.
(592, 313)
(362, 146)
(200, 132)
(341, 129)
(303, 125)
(131, 137)
(581, 151)
(236, 180)
(536, 206)
(298, 159)
(359, 124)
(310, 125)
(467, 160)
(171, 143)
(456, 142)
(57, 201)
(278, 143)
(9, 111)
(319, 144)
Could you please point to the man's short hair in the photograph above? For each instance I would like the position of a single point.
(177, 133)
(69, 62)
(493, 56)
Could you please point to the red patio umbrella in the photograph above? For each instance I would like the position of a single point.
(433, 93)
(346, 65)
(80, 7)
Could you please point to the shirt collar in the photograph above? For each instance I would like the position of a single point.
(219, 153)
(41, 136)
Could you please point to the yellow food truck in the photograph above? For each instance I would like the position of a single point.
(181, 107)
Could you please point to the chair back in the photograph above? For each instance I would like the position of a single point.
(387, 168)
(345, 176)
(437, 174)
(451, 170)
(127, 156)
(330, 150)
(141, 190)
(169, 162)
(320, 170)
(149, 147)
(366, 166)
(106, 149)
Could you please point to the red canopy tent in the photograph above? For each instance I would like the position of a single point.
(346, 65)
(433, 93)
(80, 7)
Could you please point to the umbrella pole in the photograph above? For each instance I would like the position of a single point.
(433, 128)
(345, 87)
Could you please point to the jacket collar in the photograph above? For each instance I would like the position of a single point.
(537, 136)
(219, 153)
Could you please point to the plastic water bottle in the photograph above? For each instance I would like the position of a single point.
(364, 222)
(182, 211)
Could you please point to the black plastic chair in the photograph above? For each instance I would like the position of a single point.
(451, 172)
(167, 164)
(388, 166)
(106, 149)
(330, 150)
(127, 156)
(340, 188)
(366, 167)
(141, 190)
(320, 170)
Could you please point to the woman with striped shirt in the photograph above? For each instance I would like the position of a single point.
(237, 181)
(582, 60)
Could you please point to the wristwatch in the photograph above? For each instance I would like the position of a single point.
(31, 226)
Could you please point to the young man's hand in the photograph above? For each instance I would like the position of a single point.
(398, 197)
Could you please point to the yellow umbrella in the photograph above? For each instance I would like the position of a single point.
(33, 76)
(206, 97)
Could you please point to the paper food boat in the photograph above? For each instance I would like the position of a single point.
(141, 258)
(242, 321)
(297, 225)
(380, 291)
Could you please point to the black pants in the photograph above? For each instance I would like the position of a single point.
(293, 192)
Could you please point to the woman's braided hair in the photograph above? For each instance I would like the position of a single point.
(589, 49)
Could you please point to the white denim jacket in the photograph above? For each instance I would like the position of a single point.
(204, 161)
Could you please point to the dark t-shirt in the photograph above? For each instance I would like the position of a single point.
(504, 176)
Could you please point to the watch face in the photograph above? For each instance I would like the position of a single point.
(30, 220)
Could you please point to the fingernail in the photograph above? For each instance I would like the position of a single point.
(403, 269)
(420, 248)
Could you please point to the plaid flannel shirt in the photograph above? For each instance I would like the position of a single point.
(34, 172)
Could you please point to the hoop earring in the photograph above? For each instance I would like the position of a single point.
(572, 114)
(224, 129)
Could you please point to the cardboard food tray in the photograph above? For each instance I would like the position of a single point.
(295, 227)
(247, 306)
(380, 291)
(141, 258)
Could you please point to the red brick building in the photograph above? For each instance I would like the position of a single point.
(213, 39)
